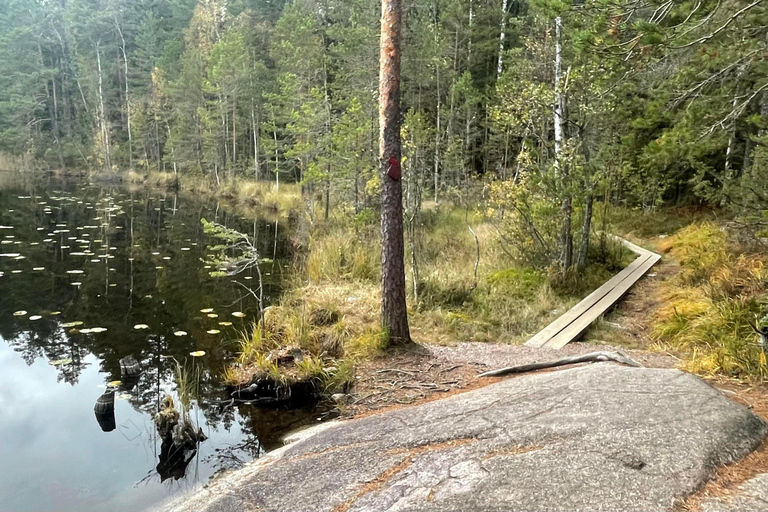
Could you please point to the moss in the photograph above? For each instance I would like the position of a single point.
(517, 282)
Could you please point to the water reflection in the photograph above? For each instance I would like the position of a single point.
(86, 264)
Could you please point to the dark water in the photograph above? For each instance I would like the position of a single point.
(139, 259)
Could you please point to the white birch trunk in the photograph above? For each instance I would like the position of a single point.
(502, 37)
(558, 93)
(102, 114)
(127, 101)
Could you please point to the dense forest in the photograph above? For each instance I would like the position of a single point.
(543, 107)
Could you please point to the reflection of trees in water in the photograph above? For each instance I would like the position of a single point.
(56, 345)
(167, 299)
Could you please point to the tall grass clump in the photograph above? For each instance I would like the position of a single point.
(708, 308)
(341, 255)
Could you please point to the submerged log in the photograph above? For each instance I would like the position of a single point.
(129, 367)
(266, 391)
(105, 411)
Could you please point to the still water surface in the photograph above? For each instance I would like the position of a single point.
(114, 259)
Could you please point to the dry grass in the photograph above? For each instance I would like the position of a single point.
(261, 196)
(334, 326)
(708, 308)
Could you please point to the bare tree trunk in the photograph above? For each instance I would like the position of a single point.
(394, 313)
(52, 109)
(437, 131)
(357, 186)
(728, 171)
(558, 93)
(277, 163)
(748, 146)
(586, 227)
(254, 129)
(502, 37)
(127, 100)
(469, 42)
(56, 131)
(102, 114)
(561, 168)
(173, 154)
(234, 129)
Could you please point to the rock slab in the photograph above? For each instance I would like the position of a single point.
(751, 496)
(599, 438)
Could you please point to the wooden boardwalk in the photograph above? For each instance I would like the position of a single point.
(573, 323)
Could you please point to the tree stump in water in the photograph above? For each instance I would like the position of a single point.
(105, 411)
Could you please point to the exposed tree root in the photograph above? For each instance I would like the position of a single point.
(592, 357)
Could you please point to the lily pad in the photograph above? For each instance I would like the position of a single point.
(72, 324)
(114, 383)
(140, 327)
(20, 313)
(239, 314)
(35, 317)
(180, 333)
(225, 324)
(212, 315)
(198, 353)
(213, 331)
(207, 310)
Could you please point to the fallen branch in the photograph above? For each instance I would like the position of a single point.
(586, 358)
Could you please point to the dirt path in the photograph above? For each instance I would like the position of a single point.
(427, 372)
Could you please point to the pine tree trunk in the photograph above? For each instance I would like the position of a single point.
(393, 305)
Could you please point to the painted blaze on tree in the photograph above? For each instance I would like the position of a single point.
(394, 314)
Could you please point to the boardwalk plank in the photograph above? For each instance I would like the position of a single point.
(575, 321)
(574, 313)
(577, 328)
